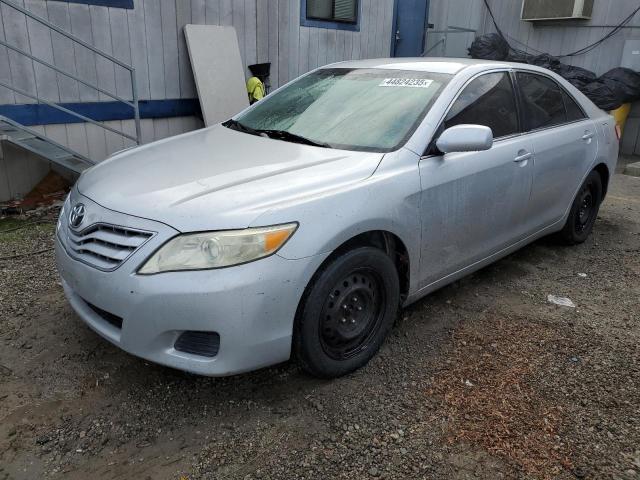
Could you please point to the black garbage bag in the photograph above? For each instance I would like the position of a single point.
(604, 94)
(489, 47)
(614, 88)
(625, 81)
(577, 76)
(545, 60)
(519, 57)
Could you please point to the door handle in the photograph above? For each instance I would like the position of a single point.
(522, 158)
(398, 38)
(588, 135)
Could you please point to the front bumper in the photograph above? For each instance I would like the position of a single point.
(251, 307)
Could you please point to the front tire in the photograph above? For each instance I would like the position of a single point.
(584, 211)
(347, 311)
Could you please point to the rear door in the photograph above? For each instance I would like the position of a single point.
(565, 144)
(473, 203)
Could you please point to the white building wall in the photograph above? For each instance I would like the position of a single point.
(568, 36)
(445, 14)
(150, 38)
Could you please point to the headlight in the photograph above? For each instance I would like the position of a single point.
(197, 251)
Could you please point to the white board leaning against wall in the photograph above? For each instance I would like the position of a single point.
(217, 70)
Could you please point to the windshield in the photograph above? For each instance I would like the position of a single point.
(353, 109)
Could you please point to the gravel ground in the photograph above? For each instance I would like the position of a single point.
(483, 379)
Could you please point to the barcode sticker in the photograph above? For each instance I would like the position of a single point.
(406, 82)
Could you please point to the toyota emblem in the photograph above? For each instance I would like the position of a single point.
(77, 215)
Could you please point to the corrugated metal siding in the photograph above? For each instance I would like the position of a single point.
(456, 13)
(150, 38)
(564, 37)
(444, 14)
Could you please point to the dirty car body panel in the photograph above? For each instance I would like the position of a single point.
(453, 213)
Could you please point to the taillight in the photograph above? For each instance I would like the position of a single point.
(618, 132)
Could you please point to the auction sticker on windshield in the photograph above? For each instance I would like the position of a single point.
(406, 82)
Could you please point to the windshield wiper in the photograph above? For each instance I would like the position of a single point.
(236, 125)
(292, 137)
(277, 134)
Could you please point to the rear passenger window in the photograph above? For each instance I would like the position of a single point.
(488, 100)
(574, 112)
(543, 101)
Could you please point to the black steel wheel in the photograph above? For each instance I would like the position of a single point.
(586, 207)
(346, 312)
(352, 314)
(584, 211)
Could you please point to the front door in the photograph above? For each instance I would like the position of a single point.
(473, 203)
(409, 25)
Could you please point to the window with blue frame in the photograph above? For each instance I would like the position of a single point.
(104, 3)
(337, 14)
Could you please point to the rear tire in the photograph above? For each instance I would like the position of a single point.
(347, 311)
(584, 211)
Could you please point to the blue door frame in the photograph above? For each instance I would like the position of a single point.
(410, 20)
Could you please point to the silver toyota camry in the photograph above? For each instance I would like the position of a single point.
(299, 227)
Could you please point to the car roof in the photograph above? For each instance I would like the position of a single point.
(449, 66)
(463, 68)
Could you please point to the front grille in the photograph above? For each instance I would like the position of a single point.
(110, 318)
(205, 344)
(105, 246)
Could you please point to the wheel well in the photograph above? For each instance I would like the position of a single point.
(387, 242)
(603, 171)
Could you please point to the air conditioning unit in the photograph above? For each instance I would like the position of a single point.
(545, 10)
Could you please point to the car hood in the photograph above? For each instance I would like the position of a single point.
(218, 178)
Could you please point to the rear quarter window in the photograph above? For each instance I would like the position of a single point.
(574, 112)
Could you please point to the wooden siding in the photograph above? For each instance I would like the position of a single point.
(565, 37)
(150, 37)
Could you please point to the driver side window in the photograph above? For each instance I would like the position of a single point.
(488, 100)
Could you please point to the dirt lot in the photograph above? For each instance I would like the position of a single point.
(484, 379)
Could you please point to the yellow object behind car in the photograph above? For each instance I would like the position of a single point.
(620, 114)
(255, 89)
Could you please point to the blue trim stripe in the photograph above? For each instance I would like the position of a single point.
(40, 114)
(104, 3)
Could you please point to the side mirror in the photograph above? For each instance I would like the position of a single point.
(465, 138)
